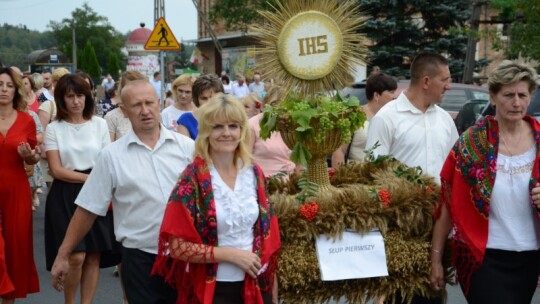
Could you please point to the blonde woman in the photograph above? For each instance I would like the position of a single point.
(221, 197)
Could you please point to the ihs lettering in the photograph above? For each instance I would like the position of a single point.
(313, 45)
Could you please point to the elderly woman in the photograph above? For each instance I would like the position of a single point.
(183, 102)
(486, 185)
(218, 226)
(73, 143)
(380, 90)
(18, 275)
(203, 89)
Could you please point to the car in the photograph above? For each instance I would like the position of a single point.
(358, 90)
(469, 113)
(459, 94)
(533, 109)
(453, 99)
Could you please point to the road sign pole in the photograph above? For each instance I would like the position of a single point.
(163, 80)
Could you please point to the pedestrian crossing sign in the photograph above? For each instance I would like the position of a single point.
(162, 38)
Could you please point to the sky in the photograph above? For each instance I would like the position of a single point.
(124, 15)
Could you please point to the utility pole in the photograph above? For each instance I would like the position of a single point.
(159, 11)
(471, 43)
(73, 47)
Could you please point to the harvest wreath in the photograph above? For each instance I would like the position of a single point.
(379, 193)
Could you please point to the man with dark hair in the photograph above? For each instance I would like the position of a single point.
(413, 128)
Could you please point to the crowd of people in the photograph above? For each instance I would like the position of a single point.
(177, 197)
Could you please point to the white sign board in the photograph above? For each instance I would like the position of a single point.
(355, 256)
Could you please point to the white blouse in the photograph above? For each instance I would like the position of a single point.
(79, 145)
(237, 211)
(513, 224)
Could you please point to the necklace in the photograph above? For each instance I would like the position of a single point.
(7, 116)
(506, 146)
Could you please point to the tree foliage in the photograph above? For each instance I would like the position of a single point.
(523, 30)
(17, 41)
(401, 29)
(89, 27)
(238, 14)
(114, 66)
(90, 62)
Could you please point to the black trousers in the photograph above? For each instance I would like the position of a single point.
(141, 288)
(505, 277)
(231, 293)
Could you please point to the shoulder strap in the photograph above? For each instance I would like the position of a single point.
(53, 110)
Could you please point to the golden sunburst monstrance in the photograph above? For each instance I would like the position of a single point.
(312, 46)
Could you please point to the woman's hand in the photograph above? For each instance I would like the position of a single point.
(535, 195)
(436, 277)
(248, 261)
(30, 156)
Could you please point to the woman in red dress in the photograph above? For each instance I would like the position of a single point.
(18, 275)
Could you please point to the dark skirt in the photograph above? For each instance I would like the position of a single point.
(505, 277)
(59, 209)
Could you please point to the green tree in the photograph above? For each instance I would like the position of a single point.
(17, 41)
(238, 14)
(113, 66)
(401, 29)
(89, 27)
(523, 18)
(91, 65)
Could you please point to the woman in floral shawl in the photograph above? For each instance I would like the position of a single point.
(219, 238)
(488, 190)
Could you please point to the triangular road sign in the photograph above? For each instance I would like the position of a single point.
(162, 38)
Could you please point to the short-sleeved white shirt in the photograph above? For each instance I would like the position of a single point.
(169, 116)
(138, 180)
(413, 137)
(237, 211)
(79, 145)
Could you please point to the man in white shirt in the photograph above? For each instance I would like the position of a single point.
(107, 84)
(413, 128)
(257, 86)
(156, 83)
(240, 88)
(136, 173)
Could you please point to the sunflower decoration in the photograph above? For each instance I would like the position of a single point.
(312, 46)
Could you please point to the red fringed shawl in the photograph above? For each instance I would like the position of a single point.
(467, 180)
(191, 216)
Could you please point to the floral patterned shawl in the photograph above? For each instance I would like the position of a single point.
(191, 215)
(467, 180)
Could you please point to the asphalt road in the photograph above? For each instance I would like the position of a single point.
(109, 290)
